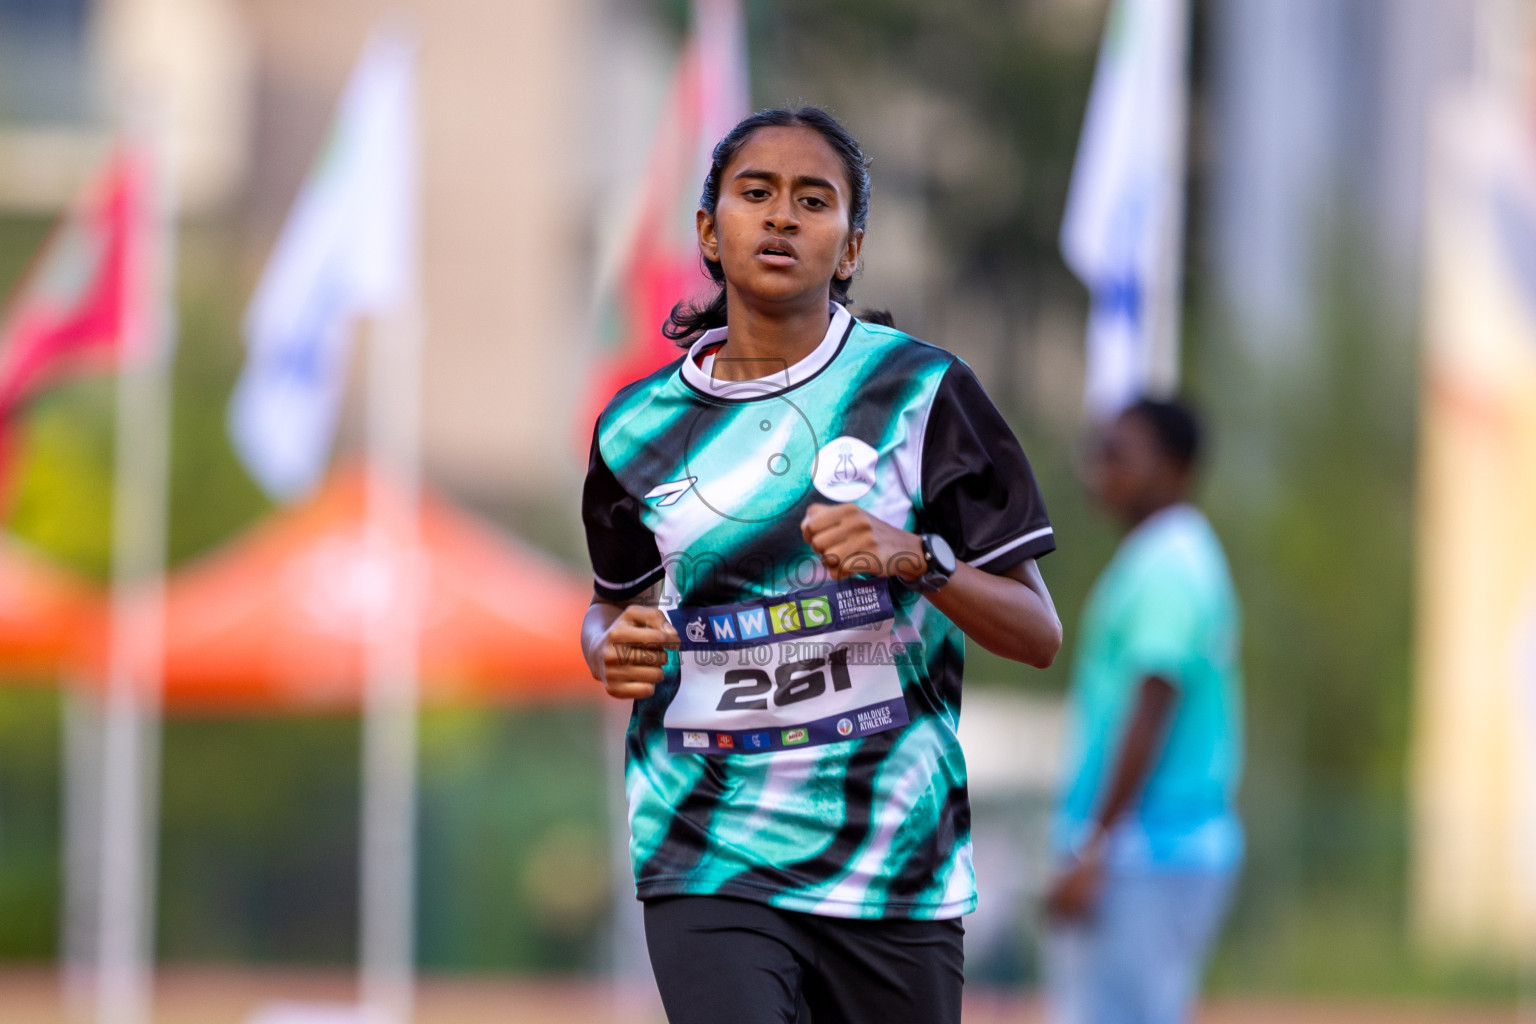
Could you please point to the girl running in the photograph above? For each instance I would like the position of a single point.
(790, 529)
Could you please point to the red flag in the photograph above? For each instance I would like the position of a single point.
(82, 306)
(658, 260)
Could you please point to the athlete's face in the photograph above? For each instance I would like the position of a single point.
(1130, 474)
(780, 229)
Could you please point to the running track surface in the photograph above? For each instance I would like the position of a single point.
(214, 996)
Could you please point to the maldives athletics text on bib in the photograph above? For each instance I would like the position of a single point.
(805, 668)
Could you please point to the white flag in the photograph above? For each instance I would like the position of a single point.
(347, 251)
(1123, 231)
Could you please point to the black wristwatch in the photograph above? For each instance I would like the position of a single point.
(941, 564)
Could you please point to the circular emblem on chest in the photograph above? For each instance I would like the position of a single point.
(845, 468)
(755, 462)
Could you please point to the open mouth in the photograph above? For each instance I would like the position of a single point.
(776, 252)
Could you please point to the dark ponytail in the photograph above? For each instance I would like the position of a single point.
(689, 319)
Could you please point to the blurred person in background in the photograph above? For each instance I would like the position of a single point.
(1147, 830)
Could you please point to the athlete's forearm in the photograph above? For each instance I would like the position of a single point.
(1011, 615)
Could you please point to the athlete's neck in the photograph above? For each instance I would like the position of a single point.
(765, 341)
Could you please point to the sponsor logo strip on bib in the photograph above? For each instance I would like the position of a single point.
(801, 614)
(845, 726)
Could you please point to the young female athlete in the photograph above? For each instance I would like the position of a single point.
(790, 528)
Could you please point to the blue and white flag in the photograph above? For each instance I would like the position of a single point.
(347, 251)
(1123, 230)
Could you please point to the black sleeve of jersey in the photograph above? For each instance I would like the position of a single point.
(623, 551)
(978, 491)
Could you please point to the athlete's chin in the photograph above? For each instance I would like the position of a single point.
(783, 288)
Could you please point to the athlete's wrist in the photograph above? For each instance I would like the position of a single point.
(939, 564)
(909, 563)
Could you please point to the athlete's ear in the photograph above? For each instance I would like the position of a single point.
(849, 263)
(709, 242)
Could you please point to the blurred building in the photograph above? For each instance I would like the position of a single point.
(1475, 731)
(1318, 125)
(73, 70)
(44, 59)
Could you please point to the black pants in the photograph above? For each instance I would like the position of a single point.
(727, 961)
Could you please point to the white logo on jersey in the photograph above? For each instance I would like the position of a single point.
(845, 468)
(670, 492)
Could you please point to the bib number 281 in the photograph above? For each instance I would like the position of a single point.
(791, 683)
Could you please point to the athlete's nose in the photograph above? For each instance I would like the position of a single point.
(782, 217)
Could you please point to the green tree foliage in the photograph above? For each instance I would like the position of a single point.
(1312, 489)
(29, 809)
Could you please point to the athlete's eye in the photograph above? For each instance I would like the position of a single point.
(815, 202)
(756, 193)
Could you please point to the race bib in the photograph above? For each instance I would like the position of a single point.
(814, 666)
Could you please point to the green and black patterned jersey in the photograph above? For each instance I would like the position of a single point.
(801, 750)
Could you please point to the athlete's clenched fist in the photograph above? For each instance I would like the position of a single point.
(634, 652)
(851, 542)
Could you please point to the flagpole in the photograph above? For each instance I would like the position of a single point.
(1166, 316)
(131, 728)
(388, 904)
(387, 923)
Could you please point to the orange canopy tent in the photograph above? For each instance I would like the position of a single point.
(280, 618)
(44, 611)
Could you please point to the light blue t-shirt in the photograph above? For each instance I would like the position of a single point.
(1164, 606)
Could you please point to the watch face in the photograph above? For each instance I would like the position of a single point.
(939, 548)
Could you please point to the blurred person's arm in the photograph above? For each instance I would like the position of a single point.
(626, 644)
(1076, 890)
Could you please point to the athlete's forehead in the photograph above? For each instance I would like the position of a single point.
(789, 155)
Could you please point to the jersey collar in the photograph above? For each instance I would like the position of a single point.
(701, 377)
